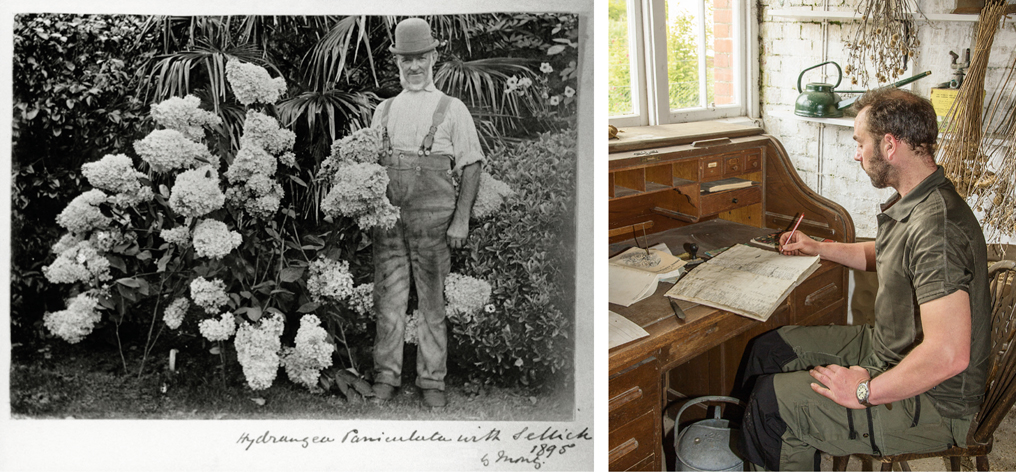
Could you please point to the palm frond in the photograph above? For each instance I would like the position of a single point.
(177, 74)
(336, 108)
(481, 84)
(325, 63)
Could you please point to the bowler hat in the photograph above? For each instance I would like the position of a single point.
(412, 36)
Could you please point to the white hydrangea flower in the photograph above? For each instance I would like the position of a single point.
(78, 263)
(263, 132)
(412, 335)
(252, 84)
(168, 149)
(184, 115)
(361, 300)
(77, 321)
(359, 147)
(115, 173)
(257, 350)
(329, 279)
(181, 236)
(311, 354)
(82, 214)
(209, 294)
(359, 191)
(218, 329)
(67, 241)
(105, 240)
(174, 314)
(490, 195)
(288, 159)
(465, 296)
(214, 240)
(196, 192)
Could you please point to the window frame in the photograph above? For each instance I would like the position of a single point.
(649, 53)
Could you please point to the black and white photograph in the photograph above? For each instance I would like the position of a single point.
(299, 237)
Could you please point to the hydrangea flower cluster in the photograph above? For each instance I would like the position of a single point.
(329, 279)
(104, 240)
(257, 350)
(311, 354)
(252, 178)
(181, 236)
(196, 192)
(358, 191)
(263, 132)
(412, 335)
(82, 214)
(78, 262)
(185, 116)
(465, 296)
(490, 195)
(361, 300)
(218, 329)
(168, 149)
(77, 321)
(209, 294)
(115, 173)
(214, 240)
(252, 84)
(173, 316)
(361, 146)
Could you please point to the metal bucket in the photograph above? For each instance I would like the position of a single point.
(705, 445)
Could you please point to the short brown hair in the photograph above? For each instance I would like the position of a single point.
(905, 115)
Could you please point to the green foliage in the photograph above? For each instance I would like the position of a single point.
(619, 93)
(526, 252)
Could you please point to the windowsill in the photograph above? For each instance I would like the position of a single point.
(644, 137)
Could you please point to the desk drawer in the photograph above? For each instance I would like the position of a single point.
(714, 203)
(632, 443)
(634, 391)
(818, 293)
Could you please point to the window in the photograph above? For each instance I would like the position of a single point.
(674, 61)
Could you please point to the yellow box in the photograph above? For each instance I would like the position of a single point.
(942, 99)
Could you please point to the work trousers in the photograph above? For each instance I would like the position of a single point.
(786, 423)
(417, 247)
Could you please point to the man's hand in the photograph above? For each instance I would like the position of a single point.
(798, 244)
(841, 382)
(458, 231)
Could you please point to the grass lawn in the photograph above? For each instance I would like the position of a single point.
(87, 381)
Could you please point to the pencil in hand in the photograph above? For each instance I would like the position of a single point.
(792, 231)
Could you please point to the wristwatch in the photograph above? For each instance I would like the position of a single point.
(863, 391)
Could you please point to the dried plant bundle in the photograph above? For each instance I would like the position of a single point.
(995, 187)
(886, 36)
(961, 154)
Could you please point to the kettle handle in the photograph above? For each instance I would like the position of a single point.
(710, 398)
(839, 72)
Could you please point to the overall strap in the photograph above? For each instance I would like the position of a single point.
(386, 141)
(439, 115)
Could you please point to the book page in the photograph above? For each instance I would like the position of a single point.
(627, 286)
(764, 263)
(655, 261)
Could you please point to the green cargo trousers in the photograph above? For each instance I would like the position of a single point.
(786, 423)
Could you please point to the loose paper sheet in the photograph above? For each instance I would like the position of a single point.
(623, 330)
(634, 274)
(745, 280)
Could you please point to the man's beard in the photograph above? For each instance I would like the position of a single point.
(882, 174)
(420, 86)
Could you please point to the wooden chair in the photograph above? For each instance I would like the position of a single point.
(1000, 392)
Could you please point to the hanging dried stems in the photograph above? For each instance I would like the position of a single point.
(996, 189)
(961, 154)
(885, 35)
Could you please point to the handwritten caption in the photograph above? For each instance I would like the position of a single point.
(531, 447)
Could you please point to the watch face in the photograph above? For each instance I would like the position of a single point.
(862, 392)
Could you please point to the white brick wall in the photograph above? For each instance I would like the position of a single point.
(789, 46)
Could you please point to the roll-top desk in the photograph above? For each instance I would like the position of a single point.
(657, 177)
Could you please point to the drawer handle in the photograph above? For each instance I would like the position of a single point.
(733, 201)
(624, 449)
(628, 396)
(814, 297)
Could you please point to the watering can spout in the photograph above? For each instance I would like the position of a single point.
(846, 103)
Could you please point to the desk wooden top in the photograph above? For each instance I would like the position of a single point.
(704, 327)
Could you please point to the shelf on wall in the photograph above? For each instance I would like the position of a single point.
(850, 15)
(846, 121)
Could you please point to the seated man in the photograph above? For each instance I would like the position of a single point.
(914, 380)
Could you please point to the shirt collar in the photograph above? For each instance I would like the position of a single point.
(899, 208)
(428, 88)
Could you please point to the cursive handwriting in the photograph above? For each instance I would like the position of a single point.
(353, 436)
(268, 438)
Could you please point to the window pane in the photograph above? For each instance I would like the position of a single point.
(621, 98)
(700, 61)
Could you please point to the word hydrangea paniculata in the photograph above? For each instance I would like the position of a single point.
(252, 84)
(115, 173)
(82, 214)
(175, 312)
(490, 195)
(77, 321)
(209, 294)
(196, 192)
(465, 296)
(168, 149)
(311, 354)
(78, 262)
(257, 350)
(214, 240)
(218, 329)
(329, 279)
(185, 116)
(358, 191)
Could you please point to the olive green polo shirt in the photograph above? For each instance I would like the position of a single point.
(930, 245)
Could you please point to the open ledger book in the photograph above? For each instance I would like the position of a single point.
(635, 273)
(745, 280)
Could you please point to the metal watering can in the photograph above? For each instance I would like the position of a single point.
(820, 100)
(705, 445)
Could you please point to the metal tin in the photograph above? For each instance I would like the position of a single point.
(705, 445)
